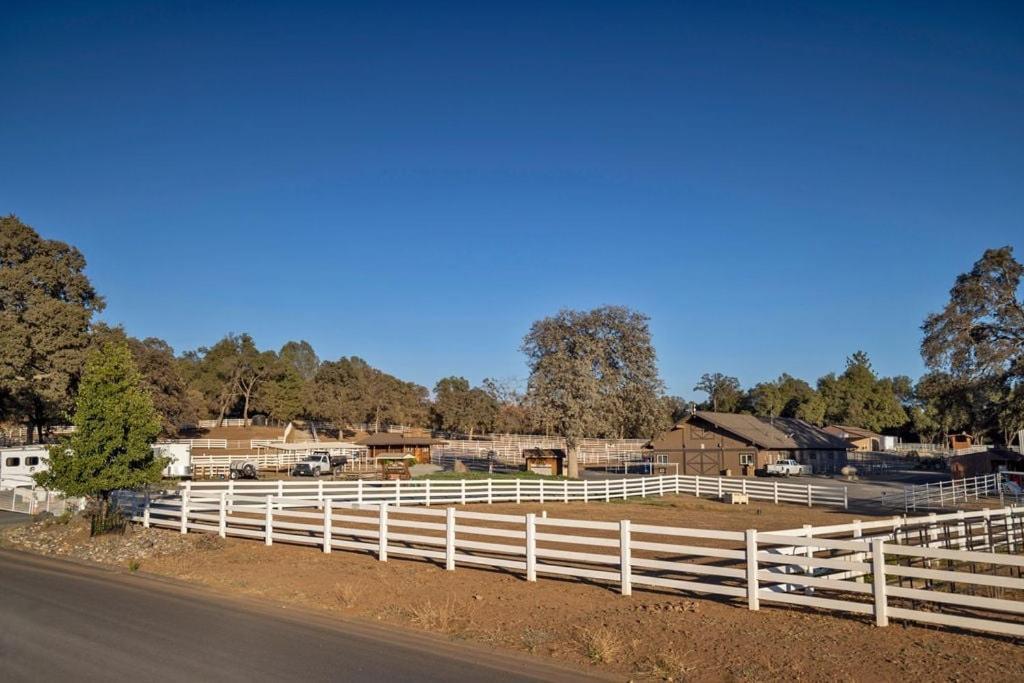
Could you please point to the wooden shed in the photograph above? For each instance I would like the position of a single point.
(550, 461)
(387, 443)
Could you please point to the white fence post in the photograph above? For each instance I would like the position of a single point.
(222, 522)
(231, 495)
(808, 495)
(462, 490)
(586, 493)
(858, 533)
(775, 492)
(184, 512)
(607, 490)
(320, 492)
(753, 602)
(398, 492)
(625, 559)
(359, 491)
(565, 490)
(542, 490)
(382, 531)
(490, 491)
(280, 489)
(878, 582)
(643, 486)
(808, 552)
(268, 521)
(328, 523)
(846, 498)
(743, 486)
(531, 547)
(449, 538)
(519, 487)
(428, 493)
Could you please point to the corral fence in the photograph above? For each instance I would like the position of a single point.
(520, 490)
(946, 495)
(962, 571)
(32, 501)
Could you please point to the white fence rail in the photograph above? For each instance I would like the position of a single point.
(519, 490)
(871, 576)
(948, 494)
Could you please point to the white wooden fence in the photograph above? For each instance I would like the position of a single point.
(519, 490)
(869, 575)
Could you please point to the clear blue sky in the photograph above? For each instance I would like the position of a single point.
(776, 185)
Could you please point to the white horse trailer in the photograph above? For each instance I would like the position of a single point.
(19, 464)
(180, 465)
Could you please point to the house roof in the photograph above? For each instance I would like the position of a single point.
(392, 439)
(855, 432)
(543, 453)
(775, 433)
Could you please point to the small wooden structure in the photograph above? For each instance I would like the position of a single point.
(959, 441)
(394, 467)
(548, 461)
(388, 443)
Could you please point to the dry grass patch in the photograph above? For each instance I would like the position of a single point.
(599, 644)
(345, 595)
(430, 616)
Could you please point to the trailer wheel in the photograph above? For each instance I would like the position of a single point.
(233, 474)
(249, 471)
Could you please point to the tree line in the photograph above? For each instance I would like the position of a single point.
(974, 353)
(592, 373)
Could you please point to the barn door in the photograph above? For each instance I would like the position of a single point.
(704, 463)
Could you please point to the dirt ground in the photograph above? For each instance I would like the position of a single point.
(651, 635)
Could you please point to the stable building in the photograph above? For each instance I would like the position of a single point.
(388, 443)
(860, 439)
(722, 444)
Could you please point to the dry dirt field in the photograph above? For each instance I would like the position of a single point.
(648, 636)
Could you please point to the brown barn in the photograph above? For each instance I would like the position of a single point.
(967, 465)
(714, 444)
(860, 439)
(387, 443)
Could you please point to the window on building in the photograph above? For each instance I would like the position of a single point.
(661, 459)
(32, 461)
(12, 462)
(746, 458)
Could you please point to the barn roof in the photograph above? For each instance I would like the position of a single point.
(775, 433)
(855, 432)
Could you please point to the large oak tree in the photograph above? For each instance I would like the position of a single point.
(46, 307)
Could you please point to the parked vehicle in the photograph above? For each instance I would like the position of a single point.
(318, 463)
(244, 468)
(786, 468)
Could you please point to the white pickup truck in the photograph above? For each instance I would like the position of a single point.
(786, 468)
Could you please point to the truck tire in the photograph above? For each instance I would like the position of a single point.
(233, 474)
(316, 472)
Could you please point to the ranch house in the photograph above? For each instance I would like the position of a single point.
(716, 444)
(389, 443)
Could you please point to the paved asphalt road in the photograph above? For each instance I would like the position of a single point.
(65, 621)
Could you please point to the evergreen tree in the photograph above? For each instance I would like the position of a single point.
(115, 426)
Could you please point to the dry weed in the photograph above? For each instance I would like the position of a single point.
(345, 595)
(532, 637)
(432, 616)
(666, 666)
(600, 644)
